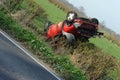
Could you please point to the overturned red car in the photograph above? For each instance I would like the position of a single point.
(72, 28)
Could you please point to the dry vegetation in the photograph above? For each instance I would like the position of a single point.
(109, 34)
(30, 36)
(64, 5)
(94, 63)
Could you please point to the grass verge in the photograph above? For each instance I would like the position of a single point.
(102, 43)
(61, 64)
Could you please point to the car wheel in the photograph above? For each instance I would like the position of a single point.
(94, 21)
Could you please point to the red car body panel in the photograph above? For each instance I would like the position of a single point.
(70, 29)
(56, 29)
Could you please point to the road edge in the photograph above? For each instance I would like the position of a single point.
(17, 44)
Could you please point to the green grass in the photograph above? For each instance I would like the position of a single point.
(107, 46)
(54, 14)
(61, 64)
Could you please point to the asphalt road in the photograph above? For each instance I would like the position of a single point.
(15, 64)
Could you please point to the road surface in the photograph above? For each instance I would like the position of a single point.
(17, 64)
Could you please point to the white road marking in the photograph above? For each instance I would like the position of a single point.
(10, 39)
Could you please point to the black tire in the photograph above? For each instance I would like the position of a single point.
(74, 17)
(94, 21)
